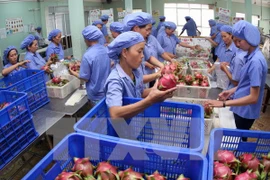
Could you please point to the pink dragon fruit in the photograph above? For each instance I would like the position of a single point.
(84, 166)
(56, 80)
(68, 176)
(106, 171)
(249, 161)
(204, 83)
(188, 79)
(182, 177)
(181, 83)
(198, 76)
(222, 171)
(167, 70)
(196, 83)
(167, 81)
(266, 163)
(225, 156)
(129, 174)
(243, 176)
(156, 176)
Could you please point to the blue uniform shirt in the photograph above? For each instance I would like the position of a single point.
(236, 64)
(95, 67)
(154, 31)
(168, 43)
(253, 74)
(160, 25)
(153, 47)
(53, 49)
(119, 85)
(218, 40)
(102, 40)
(213, 30)
(14, 71)
(36, 62)
(190, 27)
(225, 54)
(104, 30)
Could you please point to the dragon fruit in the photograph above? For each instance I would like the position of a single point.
(106, 171)
(222, 171)
(89, 178)
(266, 163)
(204, 83)
(244, 176)
(198, 76)
(84, 166)
(225, 156)
(68, 176)
(166, 70)
(208, 111)
(249, 161)
(255, 175)
(182, 177)
(129, 174)
(156, 176)
(181, 83)
(167, 81)
(188, 79)
(56, 80)
(196, 83)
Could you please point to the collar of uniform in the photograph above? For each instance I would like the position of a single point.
(229, 48)
(32, 54)
(121, 72)
(54, 45)
(249, 56)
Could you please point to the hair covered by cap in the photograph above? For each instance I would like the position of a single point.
(246, 31)
(91, 33)
(137, 19)
(96, 22)
(53, 33)
(104, 17)
(226, 28)
(117, 27)
(212, 22)
(124, 40)
(162, 17)
(6, 51)
(28, 40)
(169, 24)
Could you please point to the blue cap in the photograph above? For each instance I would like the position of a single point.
(153, 21)
(96, 22)
(212, 22)
(187, 18)
(104, 17)
(226, 28)
(169, 24)
(6, 51)
(137, 19)
(162, 17)
(219, 25)
(117, 27)
(38, 28)
(91, 33)
(53, 33)
(28, 40)
(124, 40)
(245, 30)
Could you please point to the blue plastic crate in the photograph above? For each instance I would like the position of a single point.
(122, 155)
(167, 125)
(16, 126)
(230, 139)
(30, 81)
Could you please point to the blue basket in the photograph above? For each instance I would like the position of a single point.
(229, 139)
(142, 159)
(30, 81)
(16, 126)
(173, 124)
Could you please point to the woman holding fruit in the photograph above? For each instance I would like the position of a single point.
(55, 47)
(11, 65)
(126, 80)
(30, 43)
(248, 95)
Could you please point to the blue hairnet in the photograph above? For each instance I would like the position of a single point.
(28, 40)
(169, 24)
(104, 17)
(187, 18)
(124, 40)
(96, 22)
(219, 25)
(53, 33)
(137, 19)
(162, 17)
(212, 22)
(245, 30)
(91, 33)
(153, 21)
(226, 28)
(117, 27)
(6, 51)
(38, 28)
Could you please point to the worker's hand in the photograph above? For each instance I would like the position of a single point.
(156, 95)
(214, 103)
(210, 70)
(74, 73)
(223, 96)
(50, 61)
(23, 63)
(193, 47)
(223, 66)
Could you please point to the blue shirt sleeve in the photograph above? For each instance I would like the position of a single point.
(255, 74)
(114, 95)
(85, 69)
(176, 39)
(146, 55)
(185, 27)
(104, 30)
(238, 64)
(160, 39)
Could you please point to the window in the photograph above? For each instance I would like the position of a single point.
(255, 20)
(201, 13)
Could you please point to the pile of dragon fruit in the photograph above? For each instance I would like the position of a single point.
(208, 110)
(75, 66)
(201, 64)
(83, 169)
(58, 81)
(246, 167)
(3, 105)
